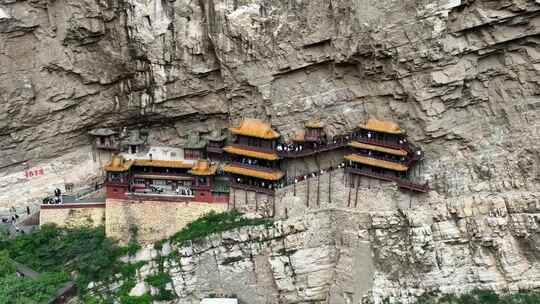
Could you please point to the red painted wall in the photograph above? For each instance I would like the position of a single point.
(116, 191)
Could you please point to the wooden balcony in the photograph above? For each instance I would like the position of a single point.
(402, 183)
(108, 146)
(163, 175)
(254, 167)
(252, 148)
(382, 143)
(412, 150)
(215, 150)
(245, 187)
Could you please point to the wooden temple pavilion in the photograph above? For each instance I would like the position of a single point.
(380, 150)
(194, 148)
(380, 132)
(105, 139)
(133, 142)
(314, 132)
(204, 183)
(167, 179)
(214, 148)
(253, 162)
(117, 180)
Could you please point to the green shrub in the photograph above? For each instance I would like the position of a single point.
(158, 280)
(144, 299)
(18, 290)
(214, 222)
(482, 297)
(85, 252)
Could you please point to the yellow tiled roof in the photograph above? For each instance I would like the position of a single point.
(118, 164)
(255, 128)
(382, 126)
(271, 176)
(376, 162)
(163, 163)
(314, 124)
(203, 168)
(250, 153)
(359, 145)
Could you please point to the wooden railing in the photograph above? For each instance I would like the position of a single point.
(382, 143)
(245, 187)
(252, 148)
(253, 167)
(310, 151)
(214, 150)
(114, 146)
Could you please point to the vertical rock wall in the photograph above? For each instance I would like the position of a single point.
(460, 76)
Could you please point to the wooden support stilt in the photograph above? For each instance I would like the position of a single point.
(318, 189)
(234, 199)
(350, 189)
(256, 203)
(330, 186)
(356, 195)
(307, 193)
(273, 206)
(294, 182)
(246, 198)
(229, 202)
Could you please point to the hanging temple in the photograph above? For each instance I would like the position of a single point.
(254, 160)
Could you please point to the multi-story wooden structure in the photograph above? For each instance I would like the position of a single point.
(314, 132)
(214, 148)
(158, 179)
(381, 150)
(105, 139)
(203, 173)
(117, 180)
(195, 148)
(132, 142)
(253, 162)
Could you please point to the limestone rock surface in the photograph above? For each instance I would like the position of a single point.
(462, 77)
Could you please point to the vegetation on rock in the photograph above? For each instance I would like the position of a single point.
(214, 223)
(22, 290)
(84, 252)
(483, 297)
(95, 261)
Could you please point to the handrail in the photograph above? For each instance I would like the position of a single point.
(382, 143)
(254, 167)
(234, 184)
(252, 148)
(306, 151)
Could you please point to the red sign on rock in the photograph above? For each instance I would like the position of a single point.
(34, 172)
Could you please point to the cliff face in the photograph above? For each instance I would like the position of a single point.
(462, 77)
